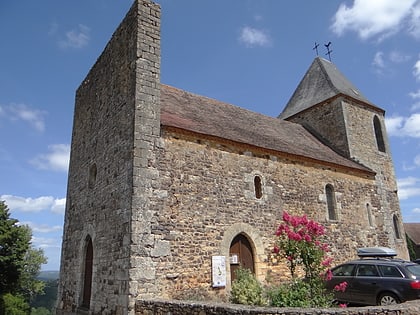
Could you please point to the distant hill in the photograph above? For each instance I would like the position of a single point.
(49, 275)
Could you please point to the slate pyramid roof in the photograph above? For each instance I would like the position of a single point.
(321, 82)
(211, 118)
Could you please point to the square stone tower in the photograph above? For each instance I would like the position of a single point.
(116, 128)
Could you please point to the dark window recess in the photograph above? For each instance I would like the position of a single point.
(92, 176)
(87, 280)
(397, 227)
(332, 212)
(378, 134)
(258, 187)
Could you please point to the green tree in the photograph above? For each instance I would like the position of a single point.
(14, 244)
(15, 305)
(20, 264)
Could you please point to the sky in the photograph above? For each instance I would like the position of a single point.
(249, 53)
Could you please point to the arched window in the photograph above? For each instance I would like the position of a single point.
(369, 214)
(397, 227)
(331, 204)
(378, 134)
(87, 274)
(258, 187)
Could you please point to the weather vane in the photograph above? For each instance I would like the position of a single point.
(328, 50)
(316, 48)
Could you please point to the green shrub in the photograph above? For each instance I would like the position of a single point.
(300, 293)
(246, 289)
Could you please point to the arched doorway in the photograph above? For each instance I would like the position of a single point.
(241, 255)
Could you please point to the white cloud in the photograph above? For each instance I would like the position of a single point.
(382, 63)
(59, 206)
(22, 112)
(416, 71)
(42, 228)
(407, 188)
(393, 125)
(57, 159)
(17, 203)
(44, 242)
(253, 37)
(414, 28)
(378, 60)
(371, 18)
(404, 126)
(78, 38)
(398, 57)
(415, 95)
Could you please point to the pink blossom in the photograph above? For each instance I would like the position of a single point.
(328, 275)
(294, 236)
(342, 305)
(276, 249)
(286, 216)
(327, 262)
(325, 247)
(341, 287)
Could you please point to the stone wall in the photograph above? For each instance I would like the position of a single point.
(162, 307)
(210, 198)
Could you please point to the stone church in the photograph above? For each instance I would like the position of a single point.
(169, 192)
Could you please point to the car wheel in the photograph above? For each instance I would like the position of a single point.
(388, 298)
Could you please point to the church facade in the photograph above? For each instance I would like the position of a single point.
(169, 192)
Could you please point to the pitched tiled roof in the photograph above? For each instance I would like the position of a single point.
(322, 81)
(210, 117)
(413, 231)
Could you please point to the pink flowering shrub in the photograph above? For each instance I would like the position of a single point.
(301, 242)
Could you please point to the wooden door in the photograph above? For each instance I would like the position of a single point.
(241, 255)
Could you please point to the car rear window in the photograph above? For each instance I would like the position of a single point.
(390, 271)
(367, 270)
(414, 269)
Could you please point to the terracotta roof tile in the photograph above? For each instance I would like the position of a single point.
(413, 231)
(199, 114)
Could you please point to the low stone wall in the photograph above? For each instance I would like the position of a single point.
(165, 307)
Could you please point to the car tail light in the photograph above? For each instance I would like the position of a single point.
(415, 284)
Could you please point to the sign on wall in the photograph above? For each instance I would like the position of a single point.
(218, 264)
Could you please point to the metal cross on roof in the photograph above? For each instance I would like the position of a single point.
(316, 48)
(328, 50)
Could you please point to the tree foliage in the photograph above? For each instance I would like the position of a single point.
(20, 264)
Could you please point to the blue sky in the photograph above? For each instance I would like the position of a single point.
(245, 52)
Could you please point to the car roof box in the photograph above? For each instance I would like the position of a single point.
(376, 252)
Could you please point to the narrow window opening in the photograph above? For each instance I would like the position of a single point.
(87, 279)
(378, 134)
(92, 176)
(397, 227)
(258, 187)
(369, 214)
(331, 204)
